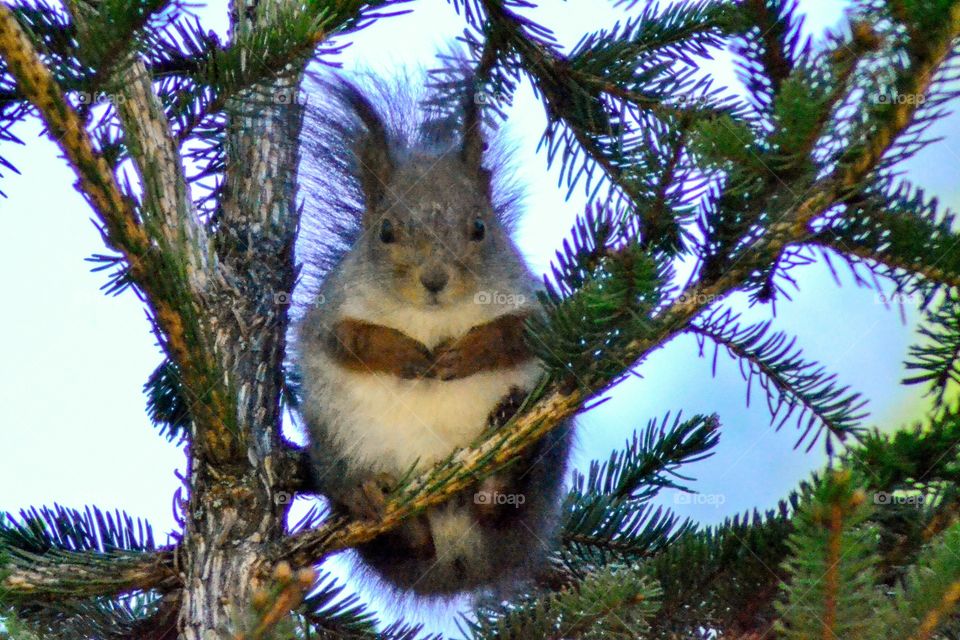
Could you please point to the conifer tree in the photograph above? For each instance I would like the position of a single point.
(803, 168)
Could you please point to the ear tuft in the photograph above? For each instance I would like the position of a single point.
(473, 141)
(375, 163)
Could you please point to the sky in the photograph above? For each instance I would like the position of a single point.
(73, 361)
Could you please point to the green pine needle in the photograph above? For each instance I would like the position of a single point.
(792, 386)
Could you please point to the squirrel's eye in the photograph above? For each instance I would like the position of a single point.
(478, 230)
(387, 234)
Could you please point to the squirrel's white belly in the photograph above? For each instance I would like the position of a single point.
(391, 423)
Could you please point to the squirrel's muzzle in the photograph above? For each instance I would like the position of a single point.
(434, 278)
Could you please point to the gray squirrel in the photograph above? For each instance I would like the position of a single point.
(413, 344)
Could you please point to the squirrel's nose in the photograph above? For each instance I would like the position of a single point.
(434, 279)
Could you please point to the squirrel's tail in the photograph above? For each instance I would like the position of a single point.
(468, 556)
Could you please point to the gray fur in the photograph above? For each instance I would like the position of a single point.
(416, 169)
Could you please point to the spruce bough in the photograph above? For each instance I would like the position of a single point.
(746, 188)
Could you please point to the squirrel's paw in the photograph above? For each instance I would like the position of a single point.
(368, 501)
(450, 363)
(498, 344)
(506, 408)
(403, 356)
(371, 348)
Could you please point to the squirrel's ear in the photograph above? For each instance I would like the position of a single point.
(372, 149)
(376, 168)
(473, 143)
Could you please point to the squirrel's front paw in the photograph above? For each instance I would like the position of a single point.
(451, 363)
(371, 348)
(498, 344)
(403, 356)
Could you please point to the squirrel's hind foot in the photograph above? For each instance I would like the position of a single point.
(368, 500)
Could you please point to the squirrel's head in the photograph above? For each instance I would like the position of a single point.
(430, 233)
(433, 232)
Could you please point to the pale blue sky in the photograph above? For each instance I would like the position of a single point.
(73, 361)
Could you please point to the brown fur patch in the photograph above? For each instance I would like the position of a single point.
(371, 348)
(495, 345)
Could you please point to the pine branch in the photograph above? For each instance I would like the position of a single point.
(605, 286)
(328, 613)
(770, 47)
(912, 477)
(791, 384)
(166, 209)
(606, 531)
(51, 554)
(273, 604)
(167, 404)
(722, 577)
(606, 514)
(932, 591)
(922, 455)
(612, 102)
(615, 602)
(858, 163)
(170, 298)
(197, 78)
(54, 36)
(768, 163)
(107, 31)
(642, 468)
(901, 235)
(345, 617)
(99, 618)
(937, 358)
(161, 624)
(932, 57)
(12, 112)
(831, 571)
(285, 37)
(78, 577)
(35, 81)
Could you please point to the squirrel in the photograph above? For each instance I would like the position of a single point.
(414, 343)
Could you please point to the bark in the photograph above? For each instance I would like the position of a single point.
(235, 513)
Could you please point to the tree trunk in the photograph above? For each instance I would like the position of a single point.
(230, 519)
(237, 509)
